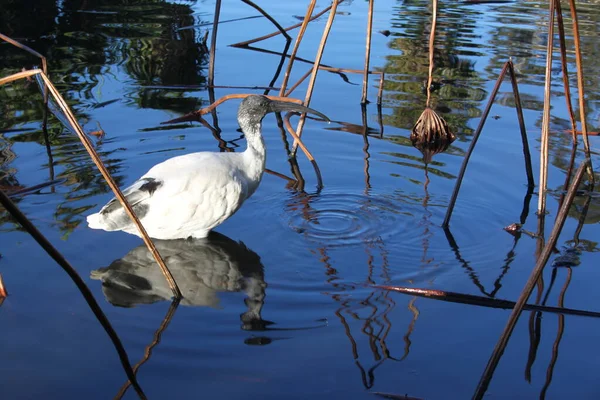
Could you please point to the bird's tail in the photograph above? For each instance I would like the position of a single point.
(96, 221)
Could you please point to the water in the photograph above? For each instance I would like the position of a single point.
(280, 305)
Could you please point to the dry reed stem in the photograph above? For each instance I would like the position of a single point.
(213, 45)
(546, 115)
(507, 67)
(193, 116)
(580, 87)
(367, 53)
(565, 71)
(155, 341)
(19, 75)
(531, 282)
(313, 77)
(521, 119)
(96, 159)
(299, 37)
(268, 16)
(431, 48)
(482, 301)
(84, 290)
(289, 28)
(27, 49)
(297, 139)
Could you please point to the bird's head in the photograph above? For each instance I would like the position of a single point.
(254, 108)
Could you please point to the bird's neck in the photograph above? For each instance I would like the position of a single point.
(255, 154)
(254, 138)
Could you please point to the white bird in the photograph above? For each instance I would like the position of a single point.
(188, 195)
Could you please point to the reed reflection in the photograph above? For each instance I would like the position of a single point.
(202, 269)
(364, 315)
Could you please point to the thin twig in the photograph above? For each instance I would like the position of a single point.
(533, 278)
(289, 28)
(295, 85)
(85, 291)
(367, 52)
(286, 76)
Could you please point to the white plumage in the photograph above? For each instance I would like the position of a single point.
(187, 196)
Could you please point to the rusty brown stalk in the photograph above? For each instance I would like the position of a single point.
(367, 53)
(155, 341)
(312, 160)
(431, 48)
(279, 175)
(83, 289)
(546, 116)
(580, 87)
(289, 28)
(565, 71)
(299, 37)
(536, 273)
(268, 16)
(213, 45)
(313, 76)
(482, 301)
(109, 180)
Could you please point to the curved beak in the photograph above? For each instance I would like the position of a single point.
(279, 106)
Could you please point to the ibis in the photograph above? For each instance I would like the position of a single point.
(189, 195)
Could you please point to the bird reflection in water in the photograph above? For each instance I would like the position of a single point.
(201, 267)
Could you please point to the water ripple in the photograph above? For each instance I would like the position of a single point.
(342, 219)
